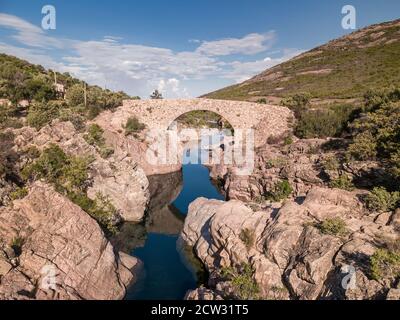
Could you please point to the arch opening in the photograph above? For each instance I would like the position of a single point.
(201, 119)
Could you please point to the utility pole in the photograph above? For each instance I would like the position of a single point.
(84, 93)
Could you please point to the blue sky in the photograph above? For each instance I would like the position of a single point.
(184, 48)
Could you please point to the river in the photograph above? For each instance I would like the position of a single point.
(169, 271)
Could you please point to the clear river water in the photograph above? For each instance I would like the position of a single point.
(169, 270)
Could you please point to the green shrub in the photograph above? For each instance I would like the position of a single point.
(32, 152)
(106, 152)
(343, 182)
(94, 135)
(382, 200)
(248, 238)
(363, 147)
(276, 163)
(288, 140)
(330, 163)
(42, 113)
(49, 165)
(17, 244)
(323, 123)
(298, 103)
(262, 101)
(133, 126)
(100, 209)
(376, 132)
(334, 227)
(74, 175)
(72, 115)
(385, 264)
(19, 193)
(244, 286)
(95, 138)
(75, 95)
(39, 89)
(281, 190)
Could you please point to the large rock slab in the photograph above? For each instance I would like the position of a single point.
(64, 253)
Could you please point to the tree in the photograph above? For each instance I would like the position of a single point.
(38, 89)
(156, 95)
(75, 95)
(298, 103)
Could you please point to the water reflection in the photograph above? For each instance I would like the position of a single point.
(169, 270)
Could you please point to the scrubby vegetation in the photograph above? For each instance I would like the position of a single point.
(94, 137)
(17, 244)
(344, 69)
(248, 238)
(20, 80)
(334, 227)
(323, 122)
(19, 193)
(385, 262)
(382, 200)
(243, 284)
(70, 177)
(342, 182)
(376, 133)
(133, 126)
(280, 191)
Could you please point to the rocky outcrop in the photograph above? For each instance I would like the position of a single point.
(304, 163)
(51, 249)
(118, 177)
(290, 256)
(298, 163)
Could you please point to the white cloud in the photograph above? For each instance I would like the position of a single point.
(173, 88)
(139, 69)
(242, 71)
(250, 44)
(27, 33)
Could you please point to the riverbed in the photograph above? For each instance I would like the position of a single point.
(169, 271)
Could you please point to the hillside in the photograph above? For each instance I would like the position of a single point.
(29, 95)
(344, 68)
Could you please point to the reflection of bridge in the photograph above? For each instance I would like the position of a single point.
(267, 120)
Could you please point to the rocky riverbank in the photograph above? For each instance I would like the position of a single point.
(50, 248)
(320, 243)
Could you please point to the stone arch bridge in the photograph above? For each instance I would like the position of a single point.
(266, 120)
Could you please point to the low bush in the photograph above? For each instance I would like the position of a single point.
(244, 286)
(330, 163)
(94, 137)
(343, 182)
(42, 113)
(101, 209)
(279, 162)
(385, 264)
(323, 123)
(133, 126)
(334, 227)
(280, 191)
(19, 193)
(17, 244)
(248, 238)
(382, 200)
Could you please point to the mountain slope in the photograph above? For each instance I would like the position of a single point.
(343, 68)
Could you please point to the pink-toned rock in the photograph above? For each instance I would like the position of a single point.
(65, 254)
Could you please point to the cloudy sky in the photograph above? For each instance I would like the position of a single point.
(183, 48)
